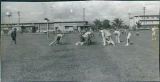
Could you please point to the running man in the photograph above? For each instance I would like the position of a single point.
(13, 35)
(106, 37)
(57, 39)
(117, 34)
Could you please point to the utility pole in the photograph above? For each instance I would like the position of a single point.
(129, 14)
(83, 14)
(9, 14)
(159, 18)
(18, 18)
(144, 13)
(47, 20)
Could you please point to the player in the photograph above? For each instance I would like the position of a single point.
(13, 35)
(154, 33)
(85, 38)
(106, 37)
(117, 34)
(128, 38)
(57, 39)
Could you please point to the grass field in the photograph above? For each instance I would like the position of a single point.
(33, 60)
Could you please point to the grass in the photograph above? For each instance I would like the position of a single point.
(33, 59)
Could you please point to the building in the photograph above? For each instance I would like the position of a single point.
(146, 21)
(67, 26)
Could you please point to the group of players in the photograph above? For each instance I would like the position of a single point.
(86, 37)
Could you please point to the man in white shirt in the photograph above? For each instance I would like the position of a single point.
(117, 34)
(85, 38)
(106, 37)
(88, 37)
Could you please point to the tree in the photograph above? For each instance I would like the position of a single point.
(106, 24)
(125, 27)
(117, 23)
(97, 24)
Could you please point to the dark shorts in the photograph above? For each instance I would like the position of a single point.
(58, 38)
(82, 39)
(13, 38)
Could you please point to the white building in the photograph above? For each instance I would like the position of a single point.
(65, 26)
(146, 21)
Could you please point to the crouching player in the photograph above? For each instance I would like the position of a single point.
(106, 37)
(82, 39)
(57, 39)
(85, 38)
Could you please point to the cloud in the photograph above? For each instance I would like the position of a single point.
(61, 11)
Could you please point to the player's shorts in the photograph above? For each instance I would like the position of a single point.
(58, 38)
(13, 38)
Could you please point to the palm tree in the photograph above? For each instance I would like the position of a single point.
(106, 24)
(117, 23)
(97, 24)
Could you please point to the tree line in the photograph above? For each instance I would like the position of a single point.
(117, 23)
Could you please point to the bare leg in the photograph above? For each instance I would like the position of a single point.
(127, 42)
(104, 40)
(14, 41)
(112, 41)
(118, 39)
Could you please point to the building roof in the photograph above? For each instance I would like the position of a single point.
(53, 22)
(151, 25)
(147, 16)
(149, 20)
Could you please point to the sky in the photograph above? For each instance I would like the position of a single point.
(73, 10)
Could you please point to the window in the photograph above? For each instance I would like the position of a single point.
(157, 17)
(66, 27)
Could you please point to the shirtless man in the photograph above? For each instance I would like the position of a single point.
(57, 39)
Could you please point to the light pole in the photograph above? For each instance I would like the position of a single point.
(83, 14)
(47, 20)
(129, 14)
(18, 13)
(9, 14)
(159, 18)
(144, 13)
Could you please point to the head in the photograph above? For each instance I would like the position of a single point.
(101, 31)
(14, 29)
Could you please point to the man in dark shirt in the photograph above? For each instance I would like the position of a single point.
(13, 35)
